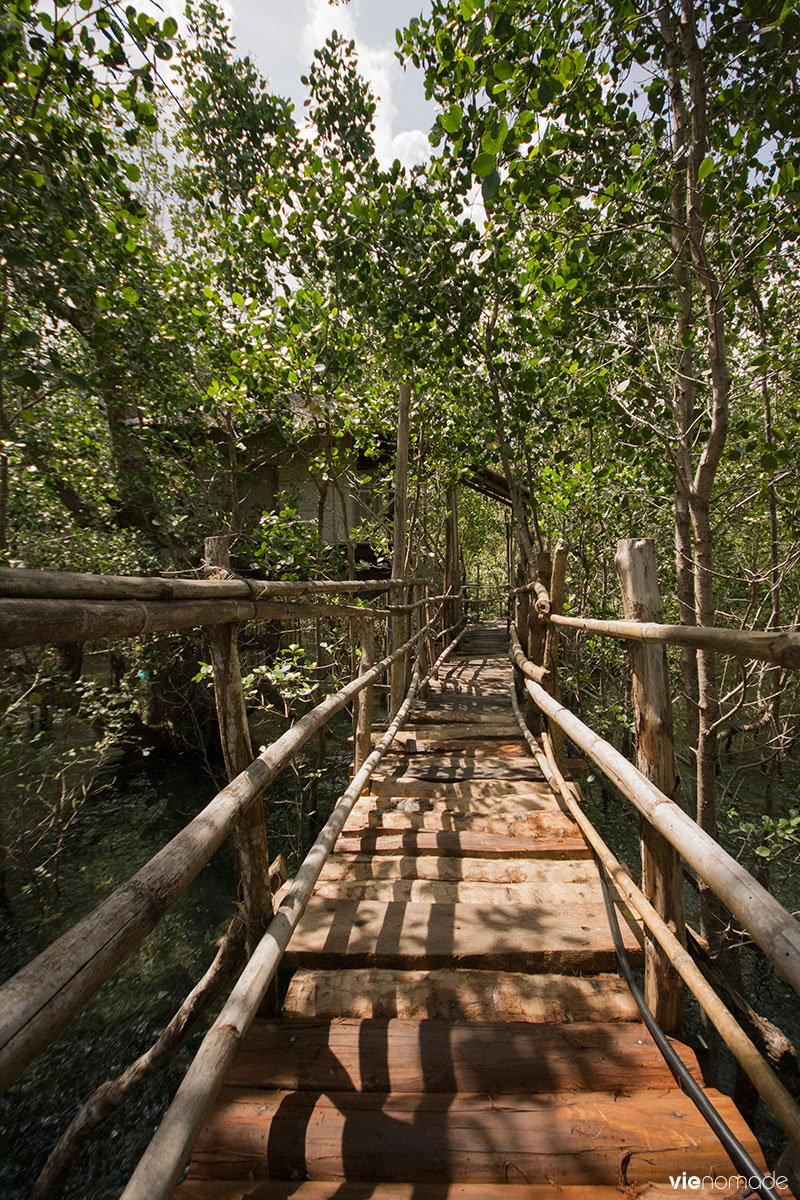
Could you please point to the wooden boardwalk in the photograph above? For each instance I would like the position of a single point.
(454, 1028)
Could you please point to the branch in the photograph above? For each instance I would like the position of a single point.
(114, 1092)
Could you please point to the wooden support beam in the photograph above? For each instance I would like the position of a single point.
(399, 623)
(32, 622)
(250, 834)
(452, 560)
(534, 637)
(550, 660)
(366, 699)
(776, 646)
(662, 873)
(75, 585)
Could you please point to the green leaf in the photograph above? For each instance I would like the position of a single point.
(706, 167)
(133, 172)
(484, 165)
(451, 120)
(467, 9)
(503, 71)
(130, 294)
(170, 27)
(490, 186)
(25, 378)
(238, 299)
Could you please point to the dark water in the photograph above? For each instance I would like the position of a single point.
(119, 828)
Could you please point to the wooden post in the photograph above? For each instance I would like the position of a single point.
(363, 731)
(398, 677)
(662, 878)
(537, 633)
(556, 585)
(250, 835)
(452, 570)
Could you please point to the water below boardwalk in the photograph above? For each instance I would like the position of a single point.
(119, 828)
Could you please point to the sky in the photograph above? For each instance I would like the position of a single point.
(280, 36)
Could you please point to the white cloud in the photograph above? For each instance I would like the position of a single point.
(411, 146)
(379, 67)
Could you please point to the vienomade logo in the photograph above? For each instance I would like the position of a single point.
(723, 1182)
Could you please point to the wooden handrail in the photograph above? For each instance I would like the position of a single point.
(759, 913)
(32, 622)
(776, 1097)
(162, 1164)
(75, 585)
(780, 646)
(37, 1002)
(518, 657)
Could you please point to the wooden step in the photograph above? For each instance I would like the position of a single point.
(366, 817)
(449, 993)
(537, 797)
(546, 873)
(497, 1058)
(470, 845)
(214, 1189)
(588, 1138)
(459, 710)
(452, 791)
(496, 718)
(409, 742)
(412, 936)
(438, 891)
(429, 733)
(445, 767)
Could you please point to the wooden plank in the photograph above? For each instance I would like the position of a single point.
(474, 747)
(534, 825)
(486, 731)
(592, 1138)
(511, 824)
(472, 845)
(497, 1058)
(464, 783)
(457, 710)
(536, 798)
(366, 933)
(437, 891)
(469, 995)
(544, 873)
(461, 766)
(457, 789)
(215, 1189)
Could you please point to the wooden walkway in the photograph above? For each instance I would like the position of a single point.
(454, 1028)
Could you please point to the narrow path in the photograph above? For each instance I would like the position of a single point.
(453, 1029)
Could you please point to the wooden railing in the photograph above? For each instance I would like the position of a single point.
(38, 608)
(162, 1164)
(669, 836)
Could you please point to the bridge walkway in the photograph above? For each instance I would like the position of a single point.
(454, 1028)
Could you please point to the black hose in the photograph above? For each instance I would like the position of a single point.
(683, 1077)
